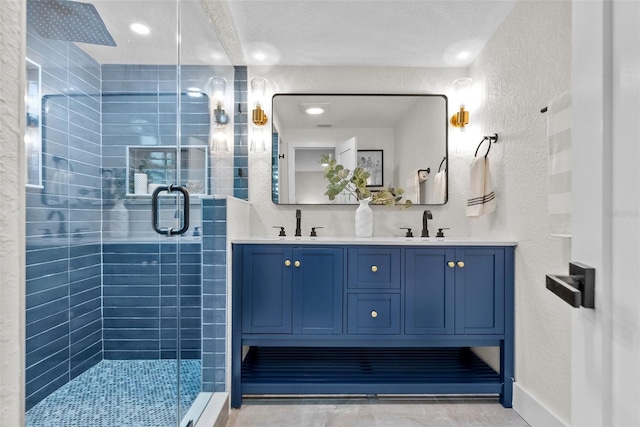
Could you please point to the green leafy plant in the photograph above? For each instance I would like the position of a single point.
(354, 183)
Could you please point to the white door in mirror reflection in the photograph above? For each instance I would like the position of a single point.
(346, 156)
(305, 181)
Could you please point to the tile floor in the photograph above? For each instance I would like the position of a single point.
(373, 411)
(117, 393)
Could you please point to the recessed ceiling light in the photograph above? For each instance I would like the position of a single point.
(259, 56)
(465, 54)
(314, 110)
(136, 27)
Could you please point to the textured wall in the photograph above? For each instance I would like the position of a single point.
(526, 63)
(339, 220)
(12, 51)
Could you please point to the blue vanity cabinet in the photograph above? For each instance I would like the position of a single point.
(291, 290)
(371, 319)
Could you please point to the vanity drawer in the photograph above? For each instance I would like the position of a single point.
(377, 268)
(373, 314)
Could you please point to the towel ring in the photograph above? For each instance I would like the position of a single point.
(427, 170)
(441, 163)
(491, 139)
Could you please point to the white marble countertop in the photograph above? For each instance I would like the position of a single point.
(402, 241)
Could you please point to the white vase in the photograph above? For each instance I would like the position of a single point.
(364, 220)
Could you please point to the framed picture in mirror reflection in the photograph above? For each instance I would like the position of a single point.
(372, 162)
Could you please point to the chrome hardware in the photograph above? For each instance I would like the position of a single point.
(374, 314)
(374, 268)
(287, 263)
(296, 263)
(460, 264)
(451, 264)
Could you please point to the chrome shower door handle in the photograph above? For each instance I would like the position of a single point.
(155, 221)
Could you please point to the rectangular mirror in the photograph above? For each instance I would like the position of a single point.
(402, 140)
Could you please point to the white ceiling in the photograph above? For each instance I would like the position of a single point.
(409, 33)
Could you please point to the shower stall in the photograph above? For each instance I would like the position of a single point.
(130, 150)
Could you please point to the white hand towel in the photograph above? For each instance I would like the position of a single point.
(482, 199)
(439, 187)
(412, 192)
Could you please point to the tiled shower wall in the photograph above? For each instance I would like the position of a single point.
(63, 319)
(65, 290)
(214, 294)
(140, 300)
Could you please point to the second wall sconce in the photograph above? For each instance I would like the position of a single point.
(218, 88)
(258, 92)
(461, 88)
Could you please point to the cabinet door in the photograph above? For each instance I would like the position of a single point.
(429, 293)
(480, 291)
(317, 291)
(266, 289)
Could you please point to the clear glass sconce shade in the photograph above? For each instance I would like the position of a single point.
(218, 89)
(258, 144)
(462, 89)
(258, 89)
(219, 142)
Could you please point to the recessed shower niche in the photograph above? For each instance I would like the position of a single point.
(149, 167)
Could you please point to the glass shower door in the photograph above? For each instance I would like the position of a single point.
(114, 309)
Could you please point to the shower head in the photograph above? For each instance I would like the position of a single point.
(68, 20)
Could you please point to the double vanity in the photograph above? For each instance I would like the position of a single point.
(371, 316)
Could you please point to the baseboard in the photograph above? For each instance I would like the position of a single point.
(216, 413)
(533, 411)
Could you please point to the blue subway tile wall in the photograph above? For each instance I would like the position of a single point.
(241, 135)
(63, 228)
(214, 294)
(141, 300)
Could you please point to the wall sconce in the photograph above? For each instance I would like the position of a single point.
(218, 88)
(461, 88)
(258, 92)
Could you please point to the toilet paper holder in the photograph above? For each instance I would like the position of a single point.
(578, 288)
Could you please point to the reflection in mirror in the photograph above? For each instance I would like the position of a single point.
(33, 130)
(402, 139)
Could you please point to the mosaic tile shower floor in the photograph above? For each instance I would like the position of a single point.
(116, 393)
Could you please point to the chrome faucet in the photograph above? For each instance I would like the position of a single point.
(425, 216)
(62, 231)
(298, 219)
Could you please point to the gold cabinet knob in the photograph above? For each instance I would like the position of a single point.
(374, 314)
(296, 263)
(374, 268)
(460, 264)
(451, 264)
(287, 263)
